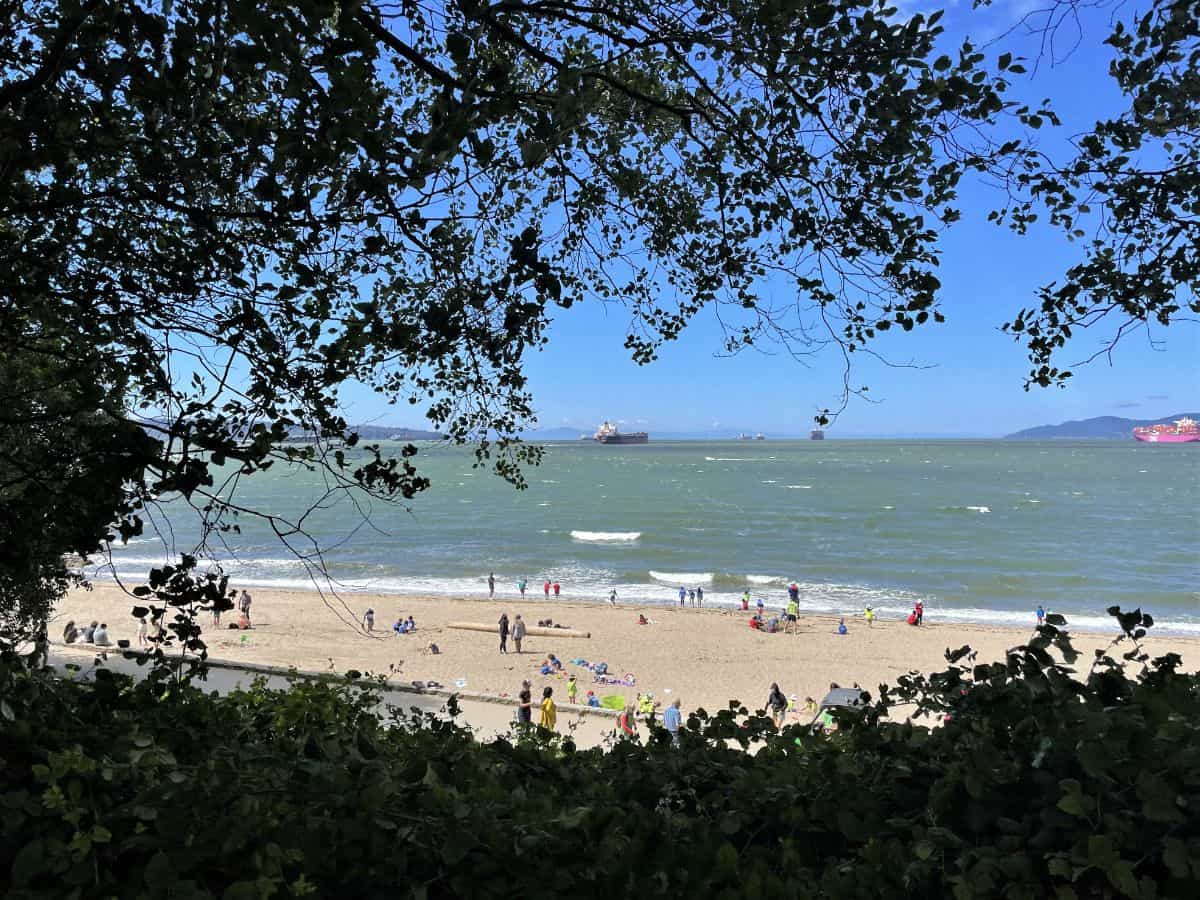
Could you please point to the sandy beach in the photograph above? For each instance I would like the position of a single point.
(704, 657)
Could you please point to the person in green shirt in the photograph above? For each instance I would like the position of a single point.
(793, 613)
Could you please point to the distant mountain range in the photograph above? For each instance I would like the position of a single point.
(1101, 428)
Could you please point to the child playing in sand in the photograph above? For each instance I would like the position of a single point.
(842, 629)
(572, 690)
(869, 615)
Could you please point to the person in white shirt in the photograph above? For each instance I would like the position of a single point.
(100, 636)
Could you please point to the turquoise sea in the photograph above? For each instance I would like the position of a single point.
(983, 531)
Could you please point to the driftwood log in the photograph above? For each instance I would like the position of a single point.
(530, 630)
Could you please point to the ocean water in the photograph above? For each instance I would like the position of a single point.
(982, 531)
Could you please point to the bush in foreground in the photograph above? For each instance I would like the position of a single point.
(1039, 784)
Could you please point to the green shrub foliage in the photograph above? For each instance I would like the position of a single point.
(1038, 784)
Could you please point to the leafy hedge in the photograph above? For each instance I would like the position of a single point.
(1038, 785)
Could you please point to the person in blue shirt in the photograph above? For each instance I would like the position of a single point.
(672, 720)
(682, 594)
(1041, 615)
(842, 627)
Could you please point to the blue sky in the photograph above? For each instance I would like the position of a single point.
(970, 380)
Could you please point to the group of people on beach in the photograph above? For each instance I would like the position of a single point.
(95, 633)
(695, 595)
(516, 631)
(399, 627)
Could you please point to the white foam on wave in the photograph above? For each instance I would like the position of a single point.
(980, 509)
(888, 507)
(799, 487)
(764, 579)
(599, 537)
(1031, 500)
(682, 577)
(544, 503)
(729, 459)
(770, 482)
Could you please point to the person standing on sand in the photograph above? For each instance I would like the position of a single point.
(682, 594)
(869, 615)
(546, 588)
(525, 705)
(368, 621)
(244, 604)
(518, 632)
(672, 720)
(503, 632)
(521, 586)
(1041, 615)
(549, 711)
(699, 596)
(612, 598)
(793, 613)
(777, 705)
(919, 609)
(627, 722)
(557, 588)
(692, 598)
(491, 585)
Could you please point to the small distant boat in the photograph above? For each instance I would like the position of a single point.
(760, 437)
(607, 433)
(1182, 432)
(743, 436)
(816, 435)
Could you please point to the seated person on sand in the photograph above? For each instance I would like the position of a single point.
(243, 621)
(756, 622)
(642, 620)
(841, 629)
(400, 626)
(100, 636)
(88, 633)
(70, 633)
(773, 625)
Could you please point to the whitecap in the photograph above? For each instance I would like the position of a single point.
(799, 487)
(544, 503)
(979, 509)
(763, 579)
(889, 507)
(682, 577)
(606, 536)
(770, 482)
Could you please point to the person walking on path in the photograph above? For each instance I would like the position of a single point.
(525, 705)
(776, 705)
(518, 632)
(549, 711)
(491, 585)
(503, 632)
(521, 586)
(368, 620)
(244, 604)
(699, 596)
(672, 720)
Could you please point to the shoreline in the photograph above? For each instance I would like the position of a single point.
(705, 657)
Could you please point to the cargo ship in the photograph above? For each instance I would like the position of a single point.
(607, 433)
(1183, 431)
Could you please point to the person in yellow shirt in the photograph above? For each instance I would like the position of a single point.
(572, 690)
(549, 710)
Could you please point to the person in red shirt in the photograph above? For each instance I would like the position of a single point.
(556, 590)
(546, 588)
(626, 723)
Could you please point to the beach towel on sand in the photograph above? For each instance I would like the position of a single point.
(613, 701)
